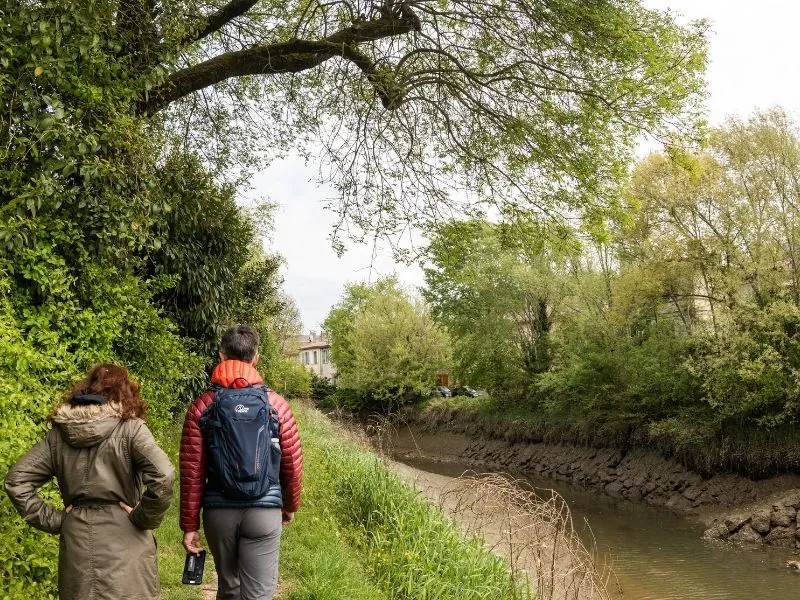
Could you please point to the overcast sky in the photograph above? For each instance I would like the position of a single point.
(753, 64)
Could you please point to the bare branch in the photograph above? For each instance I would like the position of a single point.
(217, 20)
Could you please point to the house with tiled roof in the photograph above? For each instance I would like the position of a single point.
(314, 353)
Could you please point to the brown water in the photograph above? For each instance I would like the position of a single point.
(657, 555)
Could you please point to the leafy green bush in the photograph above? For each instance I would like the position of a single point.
(602, 374)
(286, 375)
(385, 346)
(29, 383)
(36, 368)
(346, 398)
(203, 241)
(751, 368)
(90, 250)
(321, 388)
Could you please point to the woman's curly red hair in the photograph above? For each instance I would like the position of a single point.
(115, 385)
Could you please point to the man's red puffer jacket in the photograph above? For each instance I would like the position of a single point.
(234, 373)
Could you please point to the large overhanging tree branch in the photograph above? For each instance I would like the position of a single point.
(288, 57)
(421, 109)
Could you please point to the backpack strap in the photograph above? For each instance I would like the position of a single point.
(214, 389)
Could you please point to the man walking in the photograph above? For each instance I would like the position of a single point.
(242, 464)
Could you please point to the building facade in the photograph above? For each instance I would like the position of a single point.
(314, 353)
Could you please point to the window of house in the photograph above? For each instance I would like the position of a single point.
(315, 358)
(325, 356)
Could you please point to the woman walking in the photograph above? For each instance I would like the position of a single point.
(102, 454)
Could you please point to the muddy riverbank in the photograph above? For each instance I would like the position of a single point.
(654, 553)
(533, 533)
(728, 505)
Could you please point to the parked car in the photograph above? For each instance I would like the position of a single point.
(443, 391)
(465, 391)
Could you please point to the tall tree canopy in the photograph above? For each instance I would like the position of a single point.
(527, 103)
(496, 288)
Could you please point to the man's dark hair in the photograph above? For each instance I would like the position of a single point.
(239, 342)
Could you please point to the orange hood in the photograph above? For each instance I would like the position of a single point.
(235, 374)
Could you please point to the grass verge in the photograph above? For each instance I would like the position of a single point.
(357, 510)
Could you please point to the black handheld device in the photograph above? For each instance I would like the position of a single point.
(193, 569)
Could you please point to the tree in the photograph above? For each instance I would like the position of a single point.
(205, 244)
(287, 323)
(496, 288)
(528, 103)
(721, 226)
(385, 346)
(694, 346)
(256, 299)
(340, 321)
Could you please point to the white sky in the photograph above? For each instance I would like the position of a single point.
(754, 52)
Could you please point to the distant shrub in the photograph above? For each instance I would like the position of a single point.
(321, 388)
(286, 375)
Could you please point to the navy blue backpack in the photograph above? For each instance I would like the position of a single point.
(240, 430)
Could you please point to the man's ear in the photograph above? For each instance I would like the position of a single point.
(222, 356)
(254, 362)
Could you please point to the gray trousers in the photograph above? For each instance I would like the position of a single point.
(244, 543)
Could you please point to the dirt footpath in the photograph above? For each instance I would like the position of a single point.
(210, 589)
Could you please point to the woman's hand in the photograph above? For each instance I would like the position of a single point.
(126, 508)
(68, 509)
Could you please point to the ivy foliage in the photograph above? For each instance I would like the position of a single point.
(113, 245)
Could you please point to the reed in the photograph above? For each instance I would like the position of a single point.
(533, 529)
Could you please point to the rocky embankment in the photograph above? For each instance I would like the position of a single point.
(775, 523)
(732, 507)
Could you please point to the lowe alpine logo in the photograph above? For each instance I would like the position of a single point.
(241, 408)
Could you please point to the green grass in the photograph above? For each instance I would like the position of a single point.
(171, 554)
(486, 406)
(408, 550)
(361, 534)
(318, 559)
(317, 562)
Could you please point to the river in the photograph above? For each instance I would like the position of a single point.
(657, 555)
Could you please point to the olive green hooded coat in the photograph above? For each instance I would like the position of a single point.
(99, 461)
